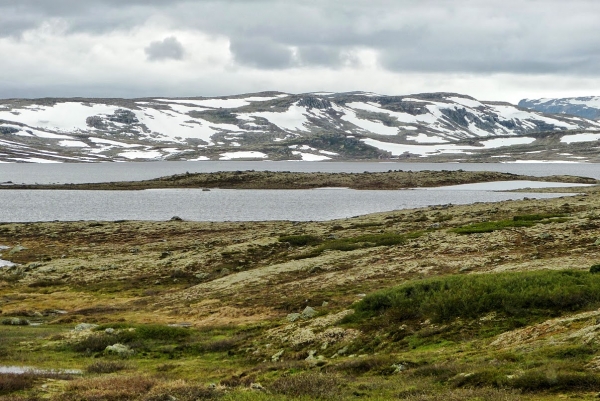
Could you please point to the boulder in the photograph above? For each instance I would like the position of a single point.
(119, 349)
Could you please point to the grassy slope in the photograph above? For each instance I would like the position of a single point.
(453, 333)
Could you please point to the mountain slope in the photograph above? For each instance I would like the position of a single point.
(586, 107)
(270, 125)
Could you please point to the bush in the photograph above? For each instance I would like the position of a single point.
(108, 388)
(516, 294)
(11, 382)
(106, 367)
(538, 380)
(94, 343)
(159, 332)
(595, 269)
(15, 321)
(313, 385)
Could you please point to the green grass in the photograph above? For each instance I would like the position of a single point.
(515, 294)
(526, 220)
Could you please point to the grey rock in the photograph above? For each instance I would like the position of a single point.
(85, 326)
(308, 312)
(276, 357)
(17, 249)
(15, 321)
(119, 349)
(292, 317)
(398, 367)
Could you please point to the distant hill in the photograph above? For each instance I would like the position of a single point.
(282, 126)
(586, 107)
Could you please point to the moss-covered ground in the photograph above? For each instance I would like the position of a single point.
(476, 302)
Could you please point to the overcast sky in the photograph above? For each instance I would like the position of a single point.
(489, 49)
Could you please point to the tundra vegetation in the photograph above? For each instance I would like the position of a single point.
(477, 302)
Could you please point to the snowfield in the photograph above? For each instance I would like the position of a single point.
(226, 128)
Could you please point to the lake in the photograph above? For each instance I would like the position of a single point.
(240, 205)
(228, 204)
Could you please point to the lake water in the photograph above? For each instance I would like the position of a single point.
(227, 205)
(30, 173)
(19, 370)
(239, 205)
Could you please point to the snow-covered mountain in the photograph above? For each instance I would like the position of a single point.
(586, 107)
(274, 126)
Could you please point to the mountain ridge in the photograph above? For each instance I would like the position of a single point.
(273, 125)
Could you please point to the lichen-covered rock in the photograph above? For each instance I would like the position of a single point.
(85, 326)
(119, 349)
(308, 312)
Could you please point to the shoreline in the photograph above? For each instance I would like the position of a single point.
(292, 180)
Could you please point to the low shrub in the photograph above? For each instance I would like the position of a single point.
(94, 343)
(15, 321)
(461, 394)
(549, 380)
(108, 388)
(595, 269)
(515, 294)
(379, 364)
(12, 382)
(536, 217)
(159, 332)
(181, 391)
(106, 367)
(313, 385)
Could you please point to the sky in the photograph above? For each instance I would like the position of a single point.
(489, 49)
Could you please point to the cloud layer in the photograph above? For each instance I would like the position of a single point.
(493, 49)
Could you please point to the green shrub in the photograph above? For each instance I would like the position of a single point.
(548, 380)
(95, 343)
(162, 333)
(11, 382)
(515, 294)
(106, 367)
(595, 269)
(312, 385)
(489, 226)
(536, 217)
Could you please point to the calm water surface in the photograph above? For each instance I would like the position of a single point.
(238, 205)
(227, 205)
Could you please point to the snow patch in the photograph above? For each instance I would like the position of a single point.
(575, 138)
(74, 144)
(62, 117)
(424, 138)
(243, 155)
(141, 154)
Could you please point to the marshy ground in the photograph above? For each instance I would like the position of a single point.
(475, 302)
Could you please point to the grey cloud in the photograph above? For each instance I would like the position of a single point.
(320, 55)
(168, 49)
(466, 36)
(261, 53)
